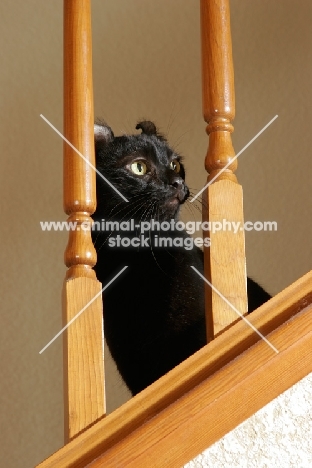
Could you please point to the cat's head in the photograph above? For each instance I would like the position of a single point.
(144, 169)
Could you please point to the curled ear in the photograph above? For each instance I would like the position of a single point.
(102, 132)
(149, 128)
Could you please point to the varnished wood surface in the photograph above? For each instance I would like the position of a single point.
(208, 394)
(217, 62)
(218, 84)
(79, 176)
(225, 263)
(83, 356)
(83, 339)
(196, 420)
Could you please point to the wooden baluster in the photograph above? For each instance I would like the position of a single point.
(83, 339)
(225, 265)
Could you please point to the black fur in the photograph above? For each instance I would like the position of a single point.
(154, 312)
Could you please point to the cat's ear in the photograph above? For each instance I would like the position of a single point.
(149, 128)
(102, 133)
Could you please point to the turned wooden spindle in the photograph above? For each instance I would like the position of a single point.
(83, 339)
(225, 265)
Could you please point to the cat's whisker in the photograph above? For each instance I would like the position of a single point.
(125, 206)
(198, 201)
(190, 209)
(152, 251)
(121, 219)
(139, 207)
(95, 240)
(171, 117)
(180, 138)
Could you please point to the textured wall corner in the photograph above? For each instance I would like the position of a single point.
(279, 435)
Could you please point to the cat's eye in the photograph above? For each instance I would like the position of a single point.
(175, 165)
(138, 168)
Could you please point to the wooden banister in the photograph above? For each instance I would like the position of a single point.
(225, 264)
(235, 374)
(207, 395)
(83, 339)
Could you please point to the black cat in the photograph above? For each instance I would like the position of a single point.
(154, 311)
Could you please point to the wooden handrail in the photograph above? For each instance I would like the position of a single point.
(83, 339)
(225, 263)
(211, 392)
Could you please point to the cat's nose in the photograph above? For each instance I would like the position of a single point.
(177, 182)
(181, 191)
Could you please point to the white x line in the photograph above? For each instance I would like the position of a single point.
(82, 310)
(233, 159)
(83, 157)
(235, 310)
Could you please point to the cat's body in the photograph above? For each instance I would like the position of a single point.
(154, 311)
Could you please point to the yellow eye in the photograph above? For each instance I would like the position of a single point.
(138, 168)
(175, 165)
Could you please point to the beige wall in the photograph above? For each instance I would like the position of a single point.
(146, 64)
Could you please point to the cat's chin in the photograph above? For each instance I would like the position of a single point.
(173, 202)
(171, 208)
